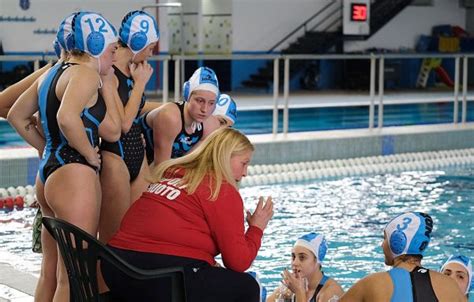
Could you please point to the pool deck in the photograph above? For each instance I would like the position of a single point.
(338, 98)
(16, 286)
(312, 99)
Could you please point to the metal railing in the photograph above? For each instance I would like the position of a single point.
(373, 95)
(381, 58)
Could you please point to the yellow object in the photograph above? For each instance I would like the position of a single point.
(426, 67)
(449, 44)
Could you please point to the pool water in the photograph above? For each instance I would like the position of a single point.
(351, 212)
(355, 117)
(317, 119)
(15, 240)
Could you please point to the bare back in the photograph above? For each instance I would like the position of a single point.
(379, 287)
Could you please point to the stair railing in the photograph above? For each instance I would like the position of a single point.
(304, 25)
(337, 11)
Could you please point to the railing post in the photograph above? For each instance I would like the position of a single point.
(276, 85)
(381, 91)
(36, 65)
(286, 92)
(177, 78)
(456, 90)
(464, 89)
(165, 80)
(372, 91)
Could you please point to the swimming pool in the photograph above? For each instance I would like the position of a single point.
(351, 212)
(317, 119)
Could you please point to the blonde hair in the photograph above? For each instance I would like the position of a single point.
(211, 158)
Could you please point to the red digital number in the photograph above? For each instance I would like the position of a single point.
(359, 12)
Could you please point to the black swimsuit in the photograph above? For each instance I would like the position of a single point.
(58, 152)
(130, 145)
(323, 281)
(412, 286)
(181, 144)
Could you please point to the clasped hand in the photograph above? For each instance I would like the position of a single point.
(262, 214)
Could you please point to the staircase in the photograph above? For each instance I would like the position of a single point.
(323, 36)
(382, 11)
(311, 42)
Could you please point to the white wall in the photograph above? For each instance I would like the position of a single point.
(260, 24)
(403, 30)
(19, 36)
(256, 25)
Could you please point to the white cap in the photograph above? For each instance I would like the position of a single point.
(92, 33)
(226, 107)
(64, 30)
(409, 233)
(464, 262)
(138, 30)
(204, 78)
(314, 242)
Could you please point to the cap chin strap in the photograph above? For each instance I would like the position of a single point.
(100, 78)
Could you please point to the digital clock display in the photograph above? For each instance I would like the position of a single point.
(358, 12)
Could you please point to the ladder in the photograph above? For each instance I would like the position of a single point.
(426, 67)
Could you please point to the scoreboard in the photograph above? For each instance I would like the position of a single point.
(356, 15)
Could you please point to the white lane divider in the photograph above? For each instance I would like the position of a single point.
(326, 169)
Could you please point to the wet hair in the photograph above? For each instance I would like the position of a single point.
(77, 53)
(407, 257)
(122, 44)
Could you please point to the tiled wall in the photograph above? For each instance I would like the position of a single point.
(217, 34)
(18, 167)
(289, 151)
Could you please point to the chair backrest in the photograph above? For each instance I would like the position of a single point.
(81, 251)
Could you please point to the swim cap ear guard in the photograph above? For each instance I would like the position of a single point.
(204, 78)
(92, 33)
(57, 48)
(138, 30)
(227, 107)
(314, 242)
(409, 233)
(186, 90)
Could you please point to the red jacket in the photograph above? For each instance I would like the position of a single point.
(167, 220)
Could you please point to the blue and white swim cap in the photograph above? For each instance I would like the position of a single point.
(204, 78)
(64, 31)
(57, 48)
(92, 33)
(138, 30)
(467, 264)
(63, 36)
(409, 233)
(314, 242)
(226, 106)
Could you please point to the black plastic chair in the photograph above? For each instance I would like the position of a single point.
(81, 252)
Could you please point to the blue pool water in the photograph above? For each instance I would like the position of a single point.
(351, 212)
(316, 119)
(328, 118)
